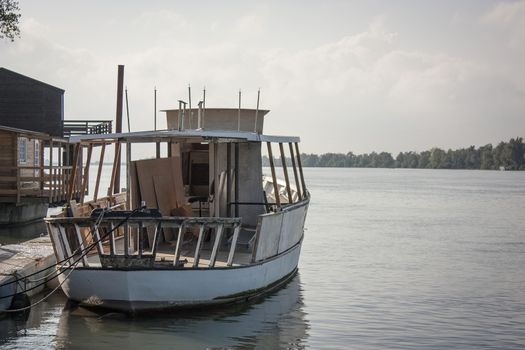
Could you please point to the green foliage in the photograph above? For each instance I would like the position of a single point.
(509, 155)
(9, 17)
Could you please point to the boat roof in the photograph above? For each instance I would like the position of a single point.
(188, 135)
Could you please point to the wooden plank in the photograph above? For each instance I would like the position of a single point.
(76, 155)
(99, 171)
(86, 173)
(165, 201)
(8, 178)
(300, 167)
(116, 166)
(134, 187)
(176, 171)
(80, 239)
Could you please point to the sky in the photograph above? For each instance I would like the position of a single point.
(356, 76)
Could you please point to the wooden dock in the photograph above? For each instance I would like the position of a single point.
(20, 260)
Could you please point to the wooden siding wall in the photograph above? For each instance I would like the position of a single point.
(29, 104)
(7, 157)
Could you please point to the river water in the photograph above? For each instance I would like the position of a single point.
(406, 259)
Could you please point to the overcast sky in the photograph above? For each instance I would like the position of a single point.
(355, 76)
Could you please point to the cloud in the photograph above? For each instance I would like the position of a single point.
(362, 91)
(510, 16)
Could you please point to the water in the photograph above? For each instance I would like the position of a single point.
(405, 259)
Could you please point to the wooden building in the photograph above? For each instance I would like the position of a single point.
(29, 104)
(32, 173)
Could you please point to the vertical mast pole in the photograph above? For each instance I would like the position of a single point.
(118, 128)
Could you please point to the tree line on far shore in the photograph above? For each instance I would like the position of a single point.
(506, 155)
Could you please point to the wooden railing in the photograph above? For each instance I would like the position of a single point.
(46, 181)
(75, 237)
(86, 127)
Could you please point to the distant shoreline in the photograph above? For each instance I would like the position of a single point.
(505, 156)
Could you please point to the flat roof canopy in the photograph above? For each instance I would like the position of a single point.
(183, 136)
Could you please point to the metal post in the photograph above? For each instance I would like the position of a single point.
(155, 107)
(285, 171)
(274, 178)
(182, 110)
(236, 180)
(203, 106)
(239, 113)
(127, 109)
(300, 167)
(297, 185)
(128, 175)
(228, 179)
(199, 115)
(257, 110)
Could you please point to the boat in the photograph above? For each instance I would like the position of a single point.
(197, 224)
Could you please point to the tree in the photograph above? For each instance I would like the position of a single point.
(9, 17)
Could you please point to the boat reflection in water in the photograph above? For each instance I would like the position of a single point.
(276, 321)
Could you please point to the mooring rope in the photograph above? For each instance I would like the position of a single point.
(71, 266)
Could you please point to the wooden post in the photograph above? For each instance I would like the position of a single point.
(60, 173)
(300, 167)
(99, 172)
(41, 165)
(71, 187)
(114, 172)
(51, 176)
(86, 174)
(274, 178)
(285, 171)
(118, 122)
(296, 177)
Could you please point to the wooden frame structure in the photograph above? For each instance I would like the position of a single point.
(44, 174)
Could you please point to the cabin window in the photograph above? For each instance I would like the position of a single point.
(22, 150)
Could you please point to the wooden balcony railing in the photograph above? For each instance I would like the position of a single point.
(86, 127)
(49, 182)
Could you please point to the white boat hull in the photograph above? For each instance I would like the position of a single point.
(136, 290)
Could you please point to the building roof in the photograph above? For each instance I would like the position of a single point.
(190, 134)
(29, 133)
(10, 72)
